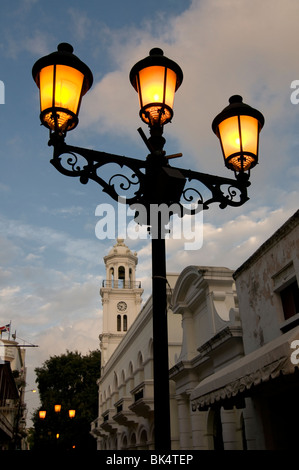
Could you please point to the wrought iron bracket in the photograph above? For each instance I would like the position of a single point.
(149, 181)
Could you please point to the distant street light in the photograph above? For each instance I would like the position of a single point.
(42, 414)
(63, 79)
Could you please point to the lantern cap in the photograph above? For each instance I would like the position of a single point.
(236, 107)
(156, 57)
(64, 56)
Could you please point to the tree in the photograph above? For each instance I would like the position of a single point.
(70, 381)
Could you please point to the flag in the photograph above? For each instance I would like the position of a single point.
(4, 328)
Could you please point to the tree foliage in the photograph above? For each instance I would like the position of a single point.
(68, 380)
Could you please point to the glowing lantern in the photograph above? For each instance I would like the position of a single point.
(57, 408)
(62, 79)
(156, 79)
(42, 414)
(72, 413)
(238, 127)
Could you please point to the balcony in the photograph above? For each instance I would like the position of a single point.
(143, 396)
(108, 424)
(124, 416)
(96, 429)
(121, 284)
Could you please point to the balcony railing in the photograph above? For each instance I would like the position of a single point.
(121, 284)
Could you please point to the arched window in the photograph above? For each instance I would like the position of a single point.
(131, 277)
(125, 323)
(217, 431)
(121, 276)
(111, 277)
(118, 323)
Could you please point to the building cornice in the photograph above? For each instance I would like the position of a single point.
(284, 230)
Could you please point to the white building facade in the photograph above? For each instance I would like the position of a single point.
(263, 385)
(126, 401)
(233, 360)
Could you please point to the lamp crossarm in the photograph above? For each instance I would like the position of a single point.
(225, 191)
(88, 164)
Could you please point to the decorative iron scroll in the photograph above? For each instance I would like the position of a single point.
(225, 191)
(89, 165)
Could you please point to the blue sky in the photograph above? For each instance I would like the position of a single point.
(51, 262)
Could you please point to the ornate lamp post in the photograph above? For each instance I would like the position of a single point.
(63, 79)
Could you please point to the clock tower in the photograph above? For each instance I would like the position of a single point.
(121, 297)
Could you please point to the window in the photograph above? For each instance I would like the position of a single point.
(121, 276)
(125, 322)
(118, 323)
(217, 431)
(290, 300)
(122, 322)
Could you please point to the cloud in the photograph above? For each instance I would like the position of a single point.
(50, 278)
(43, 238)
(223, 48)
(231, 243)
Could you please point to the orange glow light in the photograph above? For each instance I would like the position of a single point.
(60, 87)
(232, 136)
(42, 414)
(155, 91)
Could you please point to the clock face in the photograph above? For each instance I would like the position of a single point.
(122, 306)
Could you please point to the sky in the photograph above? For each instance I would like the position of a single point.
(51, 259)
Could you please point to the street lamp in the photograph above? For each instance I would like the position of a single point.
(238, 127)
(42, 414)
(156, 79)
(62, 79)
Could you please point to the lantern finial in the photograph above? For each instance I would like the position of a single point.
(65, 47)
(156, 51)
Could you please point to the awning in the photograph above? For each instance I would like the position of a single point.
(267, 362)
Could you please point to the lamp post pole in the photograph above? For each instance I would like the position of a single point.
(160, 346)
(63, 79)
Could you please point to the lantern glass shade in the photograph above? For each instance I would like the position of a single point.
(156, 89)
(57, 408)
(72, 413)
(62, 79)
(42, 414)
(238, 128)
(239, 137)
(60, 95)
(156, 80)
